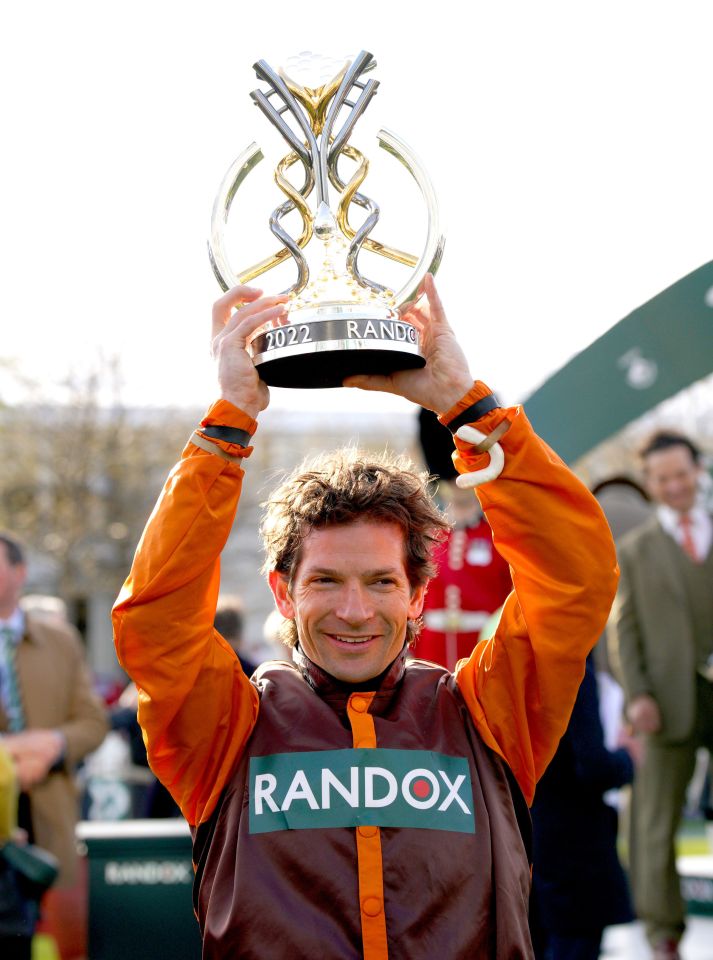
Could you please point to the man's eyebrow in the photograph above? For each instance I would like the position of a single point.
(329, 571)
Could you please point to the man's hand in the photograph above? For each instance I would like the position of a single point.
(238, 379)
(644, 715)
(34, 753)
(445, 378)
(634, 745)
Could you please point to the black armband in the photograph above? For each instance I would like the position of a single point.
(474, 412)
(229, 434)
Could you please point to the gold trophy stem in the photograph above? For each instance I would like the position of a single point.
(245, 276)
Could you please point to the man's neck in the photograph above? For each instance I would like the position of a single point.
(349, 686)
(672, 515)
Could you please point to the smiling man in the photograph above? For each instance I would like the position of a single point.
(349, 803)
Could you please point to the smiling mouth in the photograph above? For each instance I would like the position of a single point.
(351, 640)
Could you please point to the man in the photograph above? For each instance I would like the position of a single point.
(662, 639)
(49, 716)
(349, 804)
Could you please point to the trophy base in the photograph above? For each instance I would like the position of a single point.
(320, 346)
(315, 371)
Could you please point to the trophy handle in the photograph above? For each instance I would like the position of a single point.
(237, 173)
(232, 181)
(435, 241)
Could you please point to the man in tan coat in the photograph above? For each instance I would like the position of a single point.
(663, 643)
(49, 716)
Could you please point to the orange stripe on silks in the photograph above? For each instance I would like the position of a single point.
(368, 840)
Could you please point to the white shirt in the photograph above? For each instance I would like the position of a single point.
(15, 623)
(701, 527)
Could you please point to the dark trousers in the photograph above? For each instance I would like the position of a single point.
(657, 803)
(15, 948)
(557, 947)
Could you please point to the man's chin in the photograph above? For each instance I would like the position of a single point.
(353, 674)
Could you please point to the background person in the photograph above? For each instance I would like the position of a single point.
(18, 913)
(229, 621)
(662, 640)
(49, 718)
(578, 884)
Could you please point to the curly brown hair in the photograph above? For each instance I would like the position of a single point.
(342, 488)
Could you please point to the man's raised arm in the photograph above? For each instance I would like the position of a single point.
(196, 706)
(521, 685)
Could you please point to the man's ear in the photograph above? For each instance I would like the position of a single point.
(279, 585)
(418, 596)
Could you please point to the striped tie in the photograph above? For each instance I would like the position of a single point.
(9, 685)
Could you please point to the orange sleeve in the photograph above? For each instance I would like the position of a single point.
(196, 706)
(520, 686)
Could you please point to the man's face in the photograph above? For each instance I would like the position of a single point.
(350, 598)
(672, 477)
(12, 579)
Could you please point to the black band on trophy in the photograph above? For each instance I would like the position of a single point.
(325, 331)
(229, 434)
(475, 412)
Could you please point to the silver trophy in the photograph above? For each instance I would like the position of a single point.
(340, 322)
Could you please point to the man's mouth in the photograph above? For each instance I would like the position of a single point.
(352, 640)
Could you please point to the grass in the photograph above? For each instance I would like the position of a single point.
(692, 840)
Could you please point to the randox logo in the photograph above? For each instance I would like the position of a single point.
(351, 788)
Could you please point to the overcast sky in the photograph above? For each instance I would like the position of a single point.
(571, 145)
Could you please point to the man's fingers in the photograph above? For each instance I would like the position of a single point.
(223, 307)
(239, 329)
(437, 312)
(244, 324)
(375, 381)
(246, 315)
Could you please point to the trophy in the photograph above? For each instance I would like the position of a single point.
(340, 322)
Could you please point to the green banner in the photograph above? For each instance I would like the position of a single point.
(352, 788)
(664, 346)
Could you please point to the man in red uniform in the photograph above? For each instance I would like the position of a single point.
(350, 804)
(472, 579)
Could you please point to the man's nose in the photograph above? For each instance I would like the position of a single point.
(354, 605)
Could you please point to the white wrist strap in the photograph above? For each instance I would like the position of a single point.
(483, 442)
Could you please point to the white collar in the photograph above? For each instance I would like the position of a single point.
(670, 519)
(701, 527)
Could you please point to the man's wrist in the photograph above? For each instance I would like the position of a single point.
(252, 409)
(226, 413)
(476, 392)
(474, 412)
(225, 431)
(450, 398)
(220, 431)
